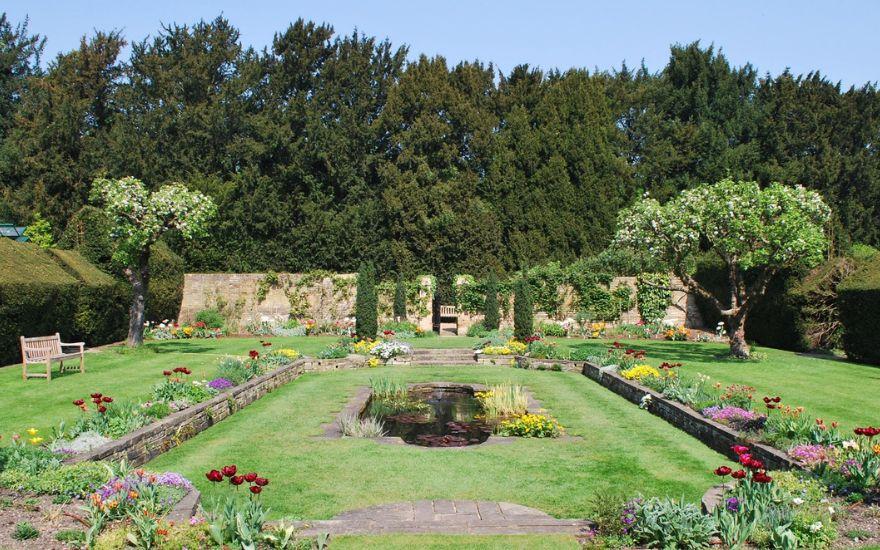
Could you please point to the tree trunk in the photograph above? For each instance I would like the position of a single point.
(139, 277)
(736, 331)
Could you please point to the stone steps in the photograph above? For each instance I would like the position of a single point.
(440, 357)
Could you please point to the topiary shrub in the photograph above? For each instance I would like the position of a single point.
(859, 306)
(366, 302)
(523, 314)
(491, 311)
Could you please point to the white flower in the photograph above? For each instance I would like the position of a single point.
(831, 510)
(797, 501)
(850, 444)
(816, 527)
(646, 401)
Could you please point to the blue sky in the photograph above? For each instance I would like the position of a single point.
(840, 38)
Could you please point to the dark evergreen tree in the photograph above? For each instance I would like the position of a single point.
(523, 314)
(366, 302)
(400, 299)
(491, 310)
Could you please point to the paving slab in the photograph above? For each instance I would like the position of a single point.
(445, 517)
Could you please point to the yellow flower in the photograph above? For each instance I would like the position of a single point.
(36, 440)
(640, 372)
(373, 362)
(876, 449)
(32, 431)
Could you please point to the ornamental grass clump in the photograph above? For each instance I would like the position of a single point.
(503, 401)
(385, 388)
(352, 426)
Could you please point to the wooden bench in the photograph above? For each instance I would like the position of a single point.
(43, 350)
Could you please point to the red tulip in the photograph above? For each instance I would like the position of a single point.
(106, 399)
(79, 402)
(261, 481)
(102, 409)
(766, 400)
(254, 354)
(214, 476)
(256, 489)
(96, 396)
(250, 477)
(777, 399)
(754, 464)
(236, 480)
(166, 372)
(761, 477)
(740, 449)
(229, 471)
(722, 471)
(744, 459)
(739, 474)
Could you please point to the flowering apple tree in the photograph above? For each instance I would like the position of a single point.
(752, 230)
(139, 217)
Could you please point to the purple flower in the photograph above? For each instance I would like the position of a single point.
(220, 384)
(811, 455)
(732, 504)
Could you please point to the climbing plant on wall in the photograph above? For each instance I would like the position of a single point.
(653, 296)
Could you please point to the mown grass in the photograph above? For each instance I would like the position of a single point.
(828, 387)
(618, 447)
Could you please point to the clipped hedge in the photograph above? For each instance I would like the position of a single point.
(102, 302)
(43, 292)
(859, 306)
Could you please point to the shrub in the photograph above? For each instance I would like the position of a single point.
(334, 351)
(366, 302)
(491, 312)
(859, 302)
(211, 317)
(531, 425)
(477, 330)
(523, 316)
(551, 329)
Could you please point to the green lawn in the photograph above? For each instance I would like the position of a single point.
(620, 448)
(830, 388)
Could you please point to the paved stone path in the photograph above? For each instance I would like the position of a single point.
(446, 517)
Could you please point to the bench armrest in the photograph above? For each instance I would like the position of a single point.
(80, 345)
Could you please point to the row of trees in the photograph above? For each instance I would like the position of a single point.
(321, 151)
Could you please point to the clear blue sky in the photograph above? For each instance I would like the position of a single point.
(841, 38)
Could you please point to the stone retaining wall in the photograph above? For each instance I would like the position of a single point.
(148, 442)
(716, 436)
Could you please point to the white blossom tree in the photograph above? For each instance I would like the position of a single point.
(139, 217)
(755, 232)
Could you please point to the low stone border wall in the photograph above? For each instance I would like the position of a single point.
(142, 445)
(716, 436)
(186, 508)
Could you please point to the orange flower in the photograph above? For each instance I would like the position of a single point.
(132, 495)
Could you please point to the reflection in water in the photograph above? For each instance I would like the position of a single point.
(432, 417)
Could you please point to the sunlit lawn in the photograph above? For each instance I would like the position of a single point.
(830, 388)
(619, 448)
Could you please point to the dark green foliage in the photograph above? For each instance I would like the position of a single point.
(859, 304)
(491, 311)
(523, 312)
(44, 292)
(400, 298)
(323, 145)
(166, 283)
(366, 302)
(88, 232)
